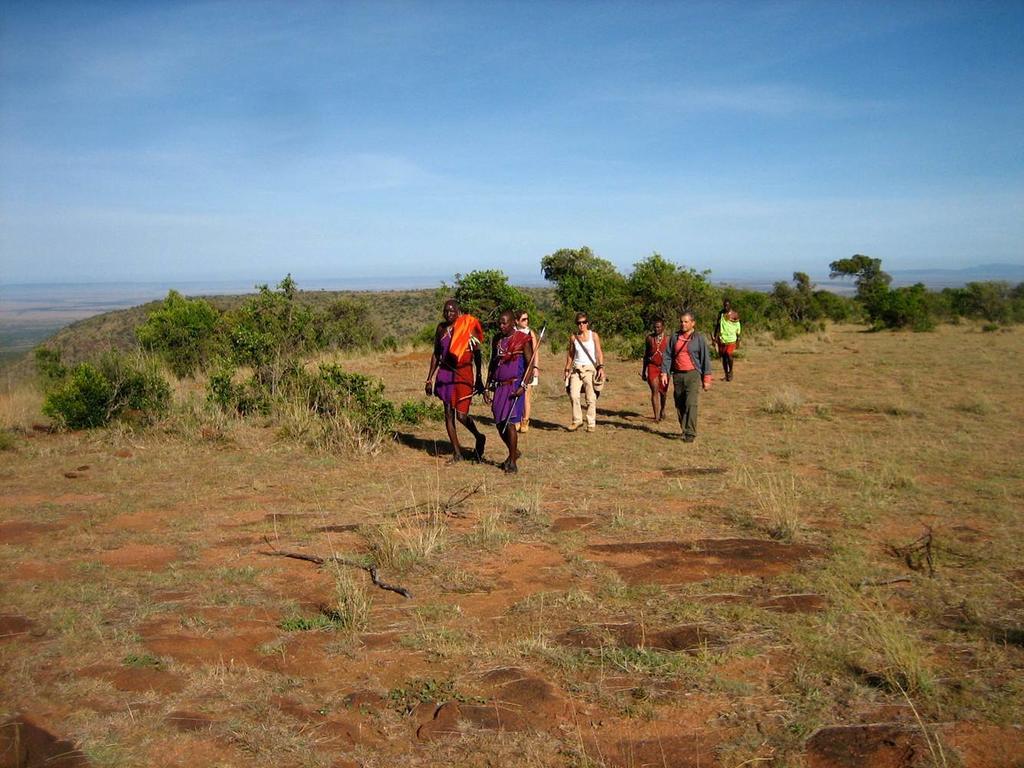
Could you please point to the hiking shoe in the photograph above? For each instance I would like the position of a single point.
(573, 427)
(591, 427)
(689, 438)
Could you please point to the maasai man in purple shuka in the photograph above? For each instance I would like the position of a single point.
(511, 355)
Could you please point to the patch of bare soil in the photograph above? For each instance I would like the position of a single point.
(20, 532)
(571, 523)
(692, 471)
(34, 570)
(980, 745)
(684, 739)
(678, 562)
(26, 743)
(140, 522)
(135, 679)
(519, 571)
(35, 499)
(344, 730)
(877, 745)
(686, 637)
(684, 751)
(517, 700)
(799, 603)
(236, 642)
(412, 357)
(186, 721)
(190, 749)
(139, 557)
(14, 627)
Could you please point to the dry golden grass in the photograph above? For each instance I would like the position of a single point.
(20, 407)
(147, 545)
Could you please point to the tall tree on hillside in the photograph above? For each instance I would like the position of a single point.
(587, 283)
(872, 283)
(486, 293)
(661, 288)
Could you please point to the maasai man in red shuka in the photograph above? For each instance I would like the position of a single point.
(654, 355)
(511, 355)
(457, 344)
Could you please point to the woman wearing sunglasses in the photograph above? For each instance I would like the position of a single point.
(584, 366)
(523, 326)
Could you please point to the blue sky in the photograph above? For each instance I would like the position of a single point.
(401, 140)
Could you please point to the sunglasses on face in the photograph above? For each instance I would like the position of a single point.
(581, 322)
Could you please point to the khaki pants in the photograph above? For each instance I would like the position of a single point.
(582, 380)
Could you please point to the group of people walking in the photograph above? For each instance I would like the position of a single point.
(456, 374)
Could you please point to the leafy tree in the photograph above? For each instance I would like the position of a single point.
(866, 271)
(271, 330)
(838, 309)
(185, 333)
(486, 294)
(659, 287)
(905, 308)
(347, 324)
(797, 302)
(988, 300)
(872, 283)
(587, 283)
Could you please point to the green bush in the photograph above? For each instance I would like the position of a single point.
(416, 411)
(587, 283)
(346, 324)
(245, 398)
(80, 400)
(185, 333)
(660, 288)
(270, 332)
(359, 397)
(486, 294)
(49, 366)
(425, 336)
(115, 386)
(904, 308)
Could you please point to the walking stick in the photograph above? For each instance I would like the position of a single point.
(522, 383)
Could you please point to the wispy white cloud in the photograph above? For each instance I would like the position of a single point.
(778, 100)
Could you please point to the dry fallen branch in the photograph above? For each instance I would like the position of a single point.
(918, 553)
(921, 553)
(449, 508)
(882, 582)
(370, 569)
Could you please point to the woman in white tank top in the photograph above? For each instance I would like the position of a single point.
(584, 364)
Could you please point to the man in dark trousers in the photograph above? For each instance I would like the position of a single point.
(688, 361)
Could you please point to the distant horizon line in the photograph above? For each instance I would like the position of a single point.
(422, 282)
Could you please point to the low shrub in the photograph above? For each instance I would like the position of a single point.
(243, 398)
(417, 411)
(116, 386)
(786, 400)
(185, 333)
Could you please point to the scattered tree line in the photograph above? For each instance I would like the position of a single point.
(255, 357)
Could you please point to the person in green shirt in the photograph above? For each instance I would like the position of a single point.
(727, 336)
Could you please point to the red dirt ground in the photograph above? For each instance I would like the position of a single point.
(680, 562)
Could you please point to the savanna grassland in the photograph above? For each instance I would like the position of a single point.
(830, 576)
